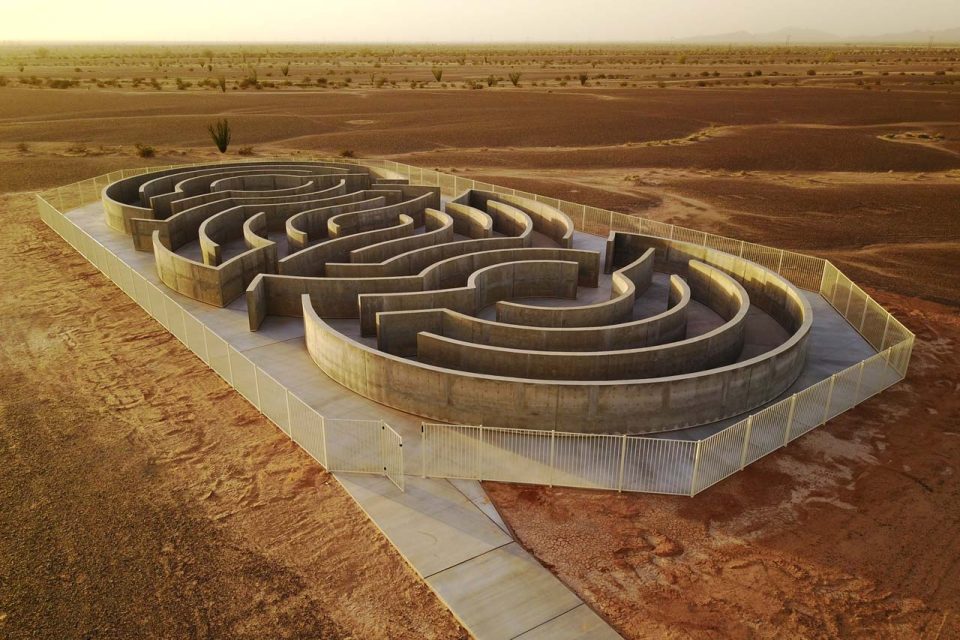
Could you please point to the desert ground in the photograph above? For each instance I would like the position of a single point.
(151, 498)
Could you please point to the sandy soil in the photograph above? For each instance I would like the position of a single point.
(850, 532)
(142, 497)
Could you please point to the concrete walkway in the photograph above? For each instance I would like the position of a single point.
(447, 530)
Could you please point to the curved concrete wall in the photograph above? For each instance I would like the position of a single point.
(715, 348)
(217, 285)
(625, 285)
(397, 331)
(439, 230)
(547, 220)
(122, 199)
(627, 406)
(518, 279)
(455, 271)
(413, 262)
(255, 237)
(299, 225)
(469, 221)
(279, 295)
(312, 260)
(323, 187)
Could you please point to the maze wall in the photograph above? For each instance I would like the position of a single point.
(485, 309)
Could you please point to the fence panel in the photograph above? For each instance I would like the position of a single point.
(844, 393)
(218, 352)
(656, 465)
(175, 319)
(768, 432)
(391, 454)
(353, 445)
(586, 460)
(721, 455)
(273, 400)
(158, 306)
(244, 376)
(810, 408)
(451, 451)
(193, 331)
(307, 429)
(515, 455)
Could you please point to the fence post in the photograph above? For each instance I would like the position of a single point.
(423, 450)
(696, 469)
(286, 399)
(846, 309)
(230, 364)
(623, 457)
(480, 456)
(886, 328)
(323, 440)
(383, 435)
(856, 393)
(780, 264)
(553, 451)
(793, 406)
(826, 408)
(746, 443)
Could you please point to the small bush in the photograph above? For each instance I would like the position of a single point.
(221, 134)
(347, 153)
(3, 81)
(515, 78)
(77, 147)
(246, 151)
(811, 72)
(23, 147)
(285, 69)
(437, 73)
(583, 79)
(145, 150)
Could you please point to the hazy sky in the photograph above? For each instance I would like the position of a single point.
(455, 20)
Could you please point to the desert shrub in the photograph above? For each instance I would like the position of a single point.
(347, 153)
(3, 81)
(515, 78)
(285, 69)
(245, 151)
(145, 150)
(156, 85)
(222, 83)
(379, 82)
(437, 73)
(661, 84)
(60, 83)
(491, 81)
(136, 82)
(811, 72)
(583, 79)
(77, 147)
(183, 85)
(221, 134)
(321, 82)
(23, 147)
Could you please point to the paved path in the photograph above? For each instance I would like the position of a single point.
(447, 530)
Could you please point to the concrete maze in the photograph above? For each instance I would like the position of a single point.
(482, 309)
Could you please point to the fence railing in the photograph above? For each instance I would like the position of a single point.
(362, 446)
(623, 463)
(664, 465)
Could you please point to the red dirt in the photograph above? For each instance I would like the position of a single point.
(145, 498)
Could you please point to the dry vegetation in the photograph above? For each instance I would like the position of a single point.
(851, 532)
(219, 68)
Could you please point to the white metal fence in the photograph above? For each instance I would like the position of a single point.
(648, 464)
(363, 446)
